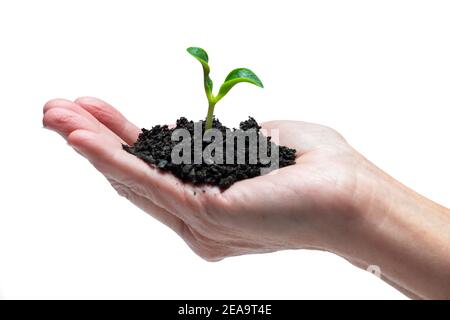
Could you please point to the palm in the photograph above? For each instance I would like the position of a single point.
(254, 215)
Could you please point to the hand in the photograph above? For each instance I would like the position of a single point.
(333, 199)
(304, 205)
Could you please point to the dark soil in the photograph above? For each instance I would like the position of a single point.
(155, 147)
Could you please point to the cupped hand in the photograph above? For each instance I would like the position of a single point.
(307, 205)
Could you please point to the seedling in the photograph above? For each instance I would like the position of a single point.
(156, 146)
(234, 77)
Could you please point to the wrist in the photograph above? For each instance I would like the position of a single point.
(402, 233)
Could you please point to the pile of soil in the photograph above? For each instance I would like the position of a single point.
(155, 147)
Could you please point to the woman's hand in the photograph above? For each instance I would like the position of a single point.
(298, 206)
(332, 199)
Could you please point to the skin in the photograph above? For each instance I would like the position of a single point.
(333, 199)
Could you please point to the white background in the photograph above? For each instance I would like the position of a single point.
(377, 71)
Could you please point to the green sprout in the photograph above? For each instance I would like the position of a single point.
(234, 77)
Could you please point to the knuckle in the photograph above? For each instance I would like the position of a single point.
(103, 114)
(206, 253)
(210, 257)
(53, 103)
(122, 190)
(80, 100)
(207, 249)
(57, 117)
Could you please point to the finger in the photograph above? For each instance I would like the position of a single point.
(105, 153)
(207, 252)
(122, 170)
(72, 106)
(109, 158)
(65, 121)
(148, 206)
(170, 220)
(67, 104)
(110, 117)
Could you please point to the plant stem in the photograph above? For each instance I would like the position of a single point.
(209, 117)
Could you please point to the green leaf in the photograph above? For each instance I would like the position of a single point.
(199, 53)
(236, 76)
(202, 57)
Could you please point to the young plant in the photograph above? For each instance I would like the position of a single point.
(234, 77)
